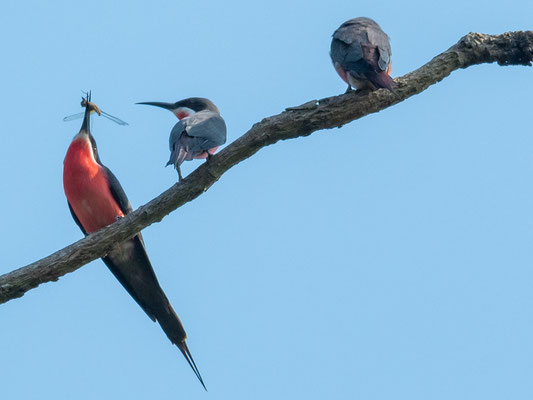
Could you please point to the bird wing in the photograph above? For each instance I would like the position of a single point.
(178, 143)
(130, 264)
(128, 260)
(379, 39)
(351, 31)
(347, 55)
(346, 50)
(195, 134)
(207, 126)
(175, 134)
(117, 192)
(354, 46)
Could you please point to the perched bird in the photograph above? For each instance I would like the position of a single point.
(199, 132)
(361, 55)
(96, 199)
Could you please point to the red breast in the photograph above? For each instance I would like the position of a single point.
(87, 187)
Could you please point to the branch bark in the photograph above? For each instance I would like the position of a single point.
(512, 48)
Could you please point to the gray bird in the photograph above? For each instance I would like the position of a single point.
(361, 55)
(199, 132)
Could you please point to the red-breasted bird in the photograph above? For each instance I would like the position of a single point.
(96, 199)
(199, 132)
(361, 55)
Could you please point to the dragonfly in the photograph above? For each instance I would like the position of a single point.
(94, 108)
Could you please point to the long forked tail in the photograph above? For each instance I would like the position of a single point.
(187, 354)
(129, 263)
(172, 326)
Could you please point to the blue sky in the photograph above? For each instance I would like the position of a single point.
(390, 258)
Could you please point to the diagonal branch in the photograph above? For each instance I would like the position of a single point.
(512, 48)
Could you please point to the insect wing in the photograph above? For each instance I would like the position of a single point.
(114, 119)
(73, 117)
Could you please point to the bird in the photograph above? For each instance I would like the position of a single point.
(361, 54)
(96, 199)
(199, 132)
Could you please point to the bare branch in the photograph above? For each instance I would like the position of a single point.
(513, 48)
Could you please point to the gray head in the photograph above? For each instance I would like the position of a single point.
(186, 107)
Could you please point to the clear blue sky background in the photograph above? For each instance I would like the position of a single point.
(389, 259)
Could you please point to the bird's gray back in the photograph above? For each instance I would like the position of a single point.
(349, 40)
(207, 126)
(203, 131)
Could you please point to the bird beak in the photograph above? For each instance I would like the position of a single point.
(86, 125)
(166, 106)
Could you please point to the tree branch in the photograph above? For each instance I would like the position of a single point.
(513, 48)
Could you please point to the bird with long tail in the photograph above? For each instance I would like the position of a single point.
(96, 199)
(199, 132)
(361, 54)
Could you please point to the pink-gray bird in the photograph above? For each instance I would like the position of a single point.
(199, 132)
(361, 55)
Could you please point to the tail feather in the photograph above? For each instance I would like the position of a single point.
(181, 151)
(182, 156)
(177, 156)
(187, 354)
(172, 326)
(382, 80)
(129, 263)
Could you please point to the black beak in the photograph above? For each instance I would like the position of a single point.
(166, 106)
(86, 125)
